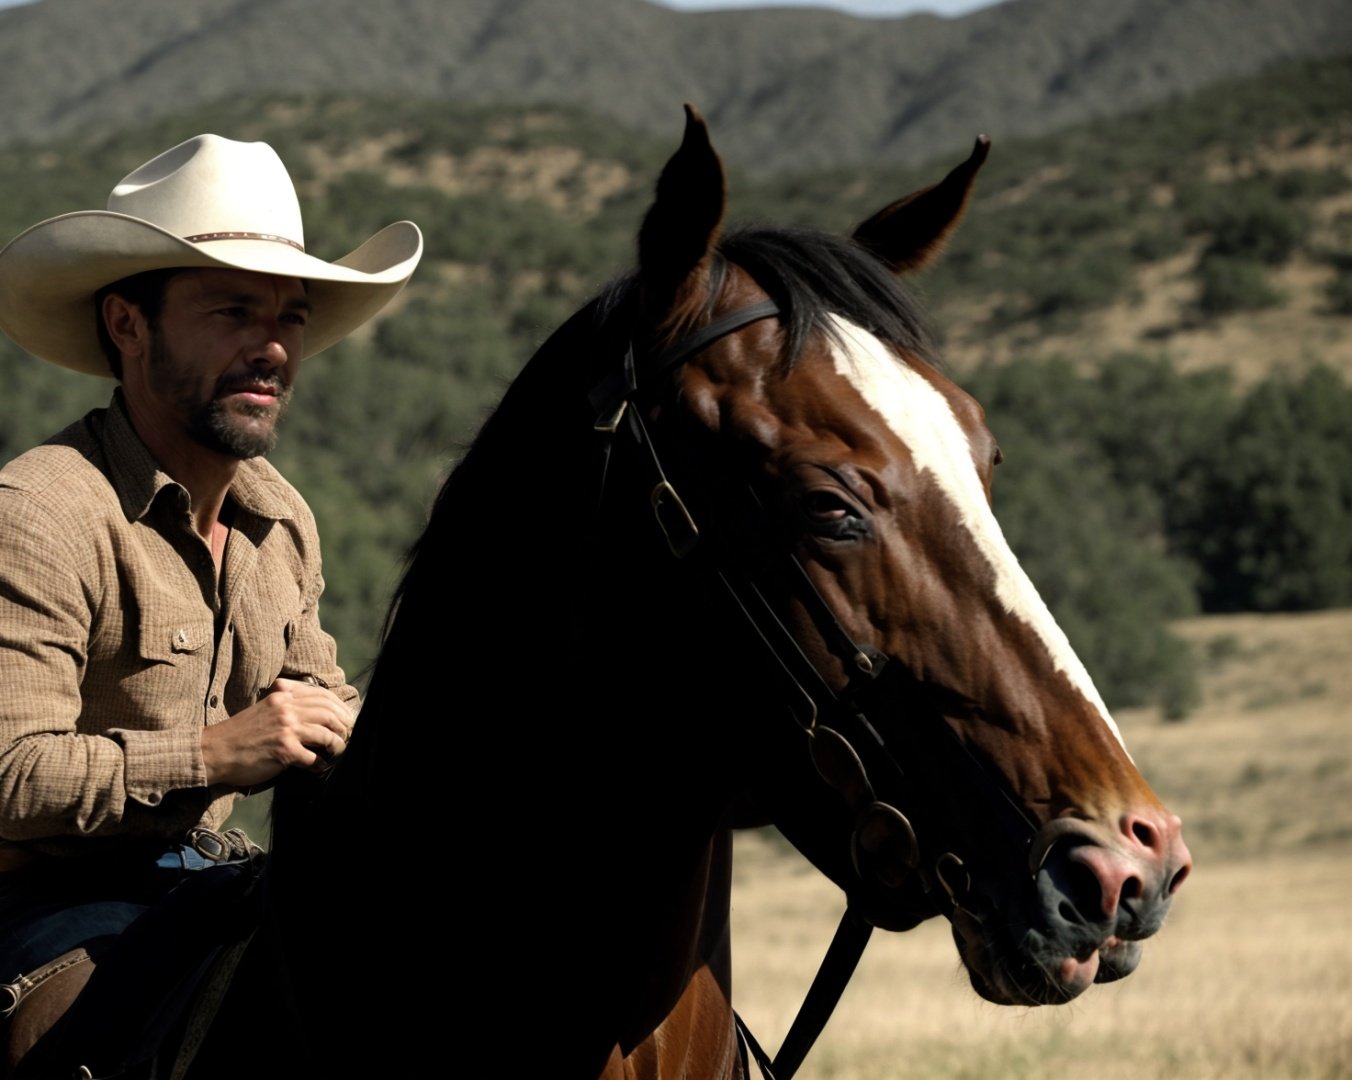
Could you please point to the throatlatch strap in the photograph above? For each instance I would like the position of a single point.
(852, 935)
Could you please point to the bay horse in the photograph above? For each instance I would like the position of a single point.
(723, 556)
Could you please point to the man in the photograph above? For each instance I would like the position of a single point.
(160, 647)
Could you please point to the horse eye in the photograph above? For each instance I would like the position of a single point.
(825, 506)
(831, 516)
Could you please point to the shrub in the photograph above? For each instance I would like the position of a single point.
(1234, 284)
(1250, 219)
(1339, 290)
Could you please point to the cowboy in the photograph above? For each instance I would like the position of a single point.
(160, 645)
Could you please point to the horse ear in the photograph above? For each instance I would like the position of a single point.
(682, 227)
(912, 231)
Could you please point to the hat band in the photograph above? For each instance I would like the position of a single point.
(202, 238)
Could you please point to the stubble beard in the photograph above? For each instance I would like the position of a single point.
(213, 424)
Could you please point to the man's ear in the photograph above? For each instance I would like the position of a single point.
(127, 327)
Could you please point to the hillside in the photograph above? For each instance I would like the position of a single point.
(1215, 230)
(1107, 238)
(787, 88)
(1140, 482)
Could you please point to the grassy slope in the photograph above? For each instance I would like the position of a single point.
(1250, 979)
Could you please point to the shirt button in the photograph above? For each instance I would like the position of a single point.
(153, 799)
(214, 701)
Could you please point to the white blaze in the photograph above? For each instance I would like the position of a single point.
(924, 421)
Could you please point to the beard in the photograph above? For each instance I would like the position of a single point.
(240, 430)
(214, 424)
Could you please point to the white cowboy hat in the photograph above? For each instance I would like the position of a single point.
(208, 202)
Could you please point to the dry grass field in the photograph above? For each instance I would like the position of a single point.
(1251, 978)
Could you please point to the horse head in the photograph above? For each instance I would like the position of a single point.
(930, 740)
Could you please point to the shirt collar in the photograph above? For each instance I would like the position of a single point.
(138, 478)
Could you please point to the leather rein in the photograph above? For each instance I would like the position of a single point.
(883, 845)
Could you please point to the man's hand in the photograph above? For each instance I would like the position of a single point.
(297, 725)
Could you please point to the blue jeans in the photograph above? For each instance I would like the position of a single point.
(53, 906)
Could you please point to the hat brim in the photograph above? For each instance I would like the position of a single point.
(50, 273)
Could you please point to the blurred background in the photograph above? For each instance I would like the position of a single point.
(1151, 294)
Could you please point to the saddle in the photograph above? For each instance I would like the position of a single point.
(33, 1003)
(37, 1002)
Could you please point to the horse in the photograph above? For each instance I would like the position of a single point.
(722, 557)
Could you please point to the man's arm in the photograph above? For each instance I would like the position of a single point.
(306, 718)
(67, 766)
(55, 780)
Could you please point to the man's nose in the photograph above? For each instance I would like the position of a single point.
(271, 349)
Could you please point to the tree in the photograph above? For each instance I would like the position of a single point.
(1272, 529)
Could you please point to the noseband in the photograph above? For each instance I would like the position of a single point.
(883, 846)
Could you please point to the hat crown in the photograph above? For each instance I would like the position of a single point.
(214, 187)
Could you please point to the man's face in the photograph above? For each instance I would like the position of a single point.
(223, 355)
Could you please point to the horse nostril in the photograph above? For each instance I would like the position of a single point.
(1075, 890)
(1147, 835)
(1132, 889)
(1178, 879)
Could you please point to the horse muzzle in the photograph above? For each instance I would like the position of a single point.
(1096, 892)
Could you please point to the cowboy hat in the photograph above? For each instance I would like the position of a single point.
(209, 202)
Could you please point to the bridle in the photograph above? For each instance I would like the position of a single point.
(835, 720)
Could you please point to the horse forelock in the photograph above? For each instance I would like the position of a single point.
(814, 277)
(811, 275)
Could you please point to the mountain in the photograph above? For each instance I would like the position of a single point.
(786, 88)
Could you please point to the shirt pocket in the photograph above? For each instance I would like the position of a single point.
(171, 679)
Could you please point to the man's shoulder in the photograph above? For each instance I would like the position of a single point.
(65, 471)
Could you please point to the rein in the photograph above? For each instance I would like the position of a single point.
(883, 844)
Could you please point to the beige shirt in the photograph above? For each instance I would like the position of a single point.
(117, 644)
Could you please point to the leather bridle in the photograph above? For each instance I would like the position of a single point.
(883, 845)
